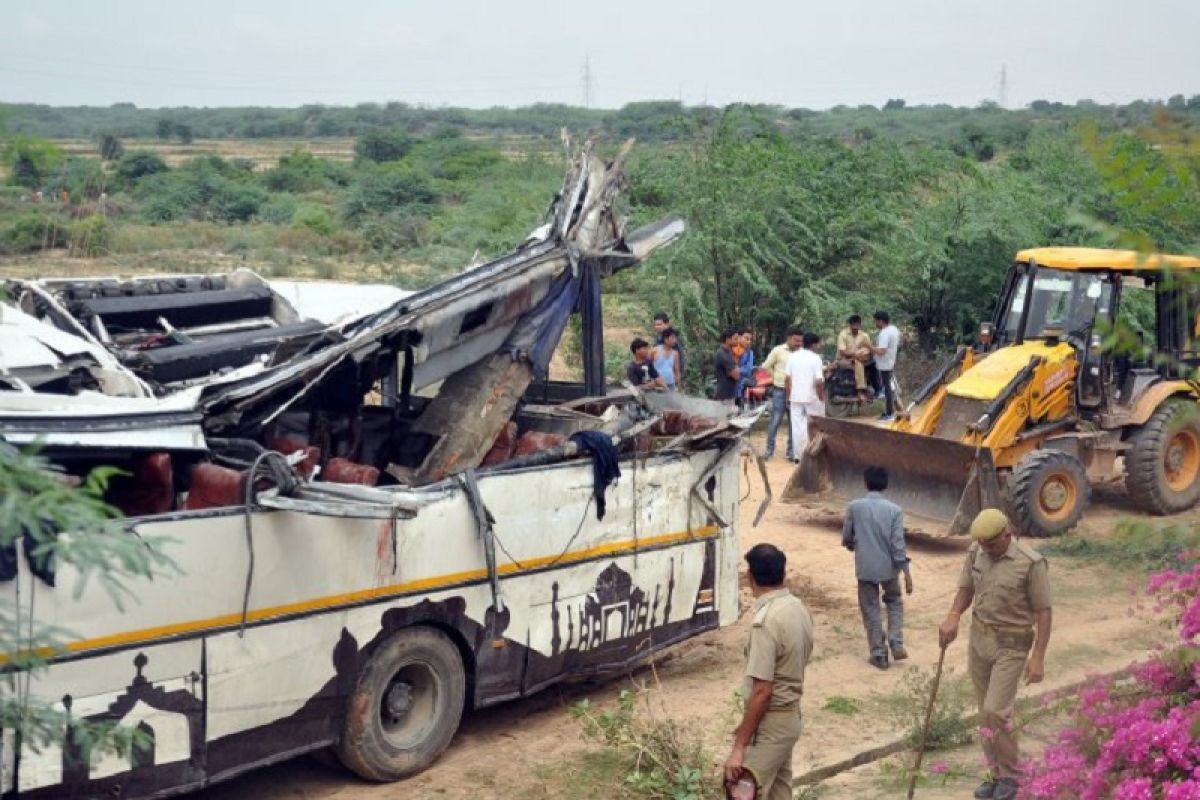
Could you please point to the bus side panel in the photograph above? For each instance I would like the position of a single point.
(729, 553)
(157, 690)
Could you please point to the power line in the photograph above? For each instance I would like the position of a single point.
(1003, 96)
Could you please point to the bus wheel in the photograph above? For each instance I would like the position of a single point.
(405, 707)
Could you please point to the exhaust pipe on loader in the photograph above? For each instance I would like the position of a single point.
(946, 482)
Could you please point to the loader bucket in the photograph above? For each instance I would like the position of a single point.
(935, 481)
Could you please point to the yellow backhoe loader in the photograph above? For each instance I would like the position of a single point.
(1044, 406)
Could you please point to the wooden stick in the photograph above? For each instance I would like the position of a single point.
(937, 679)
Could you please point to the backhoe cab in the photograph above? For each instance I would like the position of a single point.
(1060, 394)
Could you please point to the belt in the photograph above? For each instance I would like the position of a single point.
(986, 626)
(792, 706)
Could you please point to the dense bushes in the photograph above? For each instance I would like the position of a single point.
(32, 232)
(383, 144)
(655, 120)
(204, 188)
(793, 216)
(300, 171)
(383, 189)
(135, 165)
(30, 161)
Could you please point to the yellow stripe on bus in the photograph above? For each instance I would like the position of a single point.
(380, 592)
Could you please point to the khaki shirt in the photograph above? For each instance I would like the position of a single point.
(781, 642)
(848, 344)
(1009, 590)
(776, 364)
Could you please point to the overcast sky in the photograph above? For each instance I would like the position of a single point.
(515, 52)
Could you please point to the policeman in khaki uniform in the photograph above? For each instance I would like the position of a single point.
(1010, 586)
(780, 644)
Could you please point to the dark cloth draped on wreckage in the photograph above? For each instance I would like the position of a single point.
(605, 466)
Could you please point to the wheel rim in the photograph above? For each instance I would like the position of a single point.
(1181, 461)
(1058, 496)
(409, 705)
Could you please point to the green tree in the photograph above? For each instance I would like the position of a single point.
(383, 189)
(383, 144)
(776, 228)
(31, 161)
(164, 128)
(137, 164)
(110, 147)
(71, 527)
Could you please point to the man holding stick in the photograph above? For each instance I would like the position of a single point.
(1009, 585)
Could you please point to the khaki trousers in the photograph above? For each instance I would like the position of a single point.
(769, 756)
(860, 371)
(996, 661)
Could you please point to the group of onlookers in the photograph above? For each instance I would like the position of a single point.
(795, 369)
(657, 366)
(798, 376)
(873, 363)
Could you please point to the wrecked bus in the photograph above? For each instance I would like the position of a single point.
(380, 524)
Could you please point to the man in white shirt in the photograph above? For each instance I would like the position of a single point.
(805, 387)
(887, 345)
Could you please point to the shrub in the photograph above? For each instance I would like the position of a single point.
(137, 164)
(315, 219)
(279, 209)
(389, 233)
(203, 188)
(90, 236)
(30, 160)
(386, 189)
(167, 196)
(948, 727)
(110, 147)
(457, 159)
(383, 144)
(299, 171)
(235, 202)
(33, 232)
(82, 177)
(659, 758)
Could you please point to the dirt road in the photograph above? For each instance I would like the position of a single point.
(532, 748)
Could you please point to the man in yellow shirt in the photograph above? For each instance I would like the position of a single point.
(776, 364)
(854, 345)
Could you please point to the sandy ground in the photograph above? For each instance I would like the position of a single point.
(531, 748)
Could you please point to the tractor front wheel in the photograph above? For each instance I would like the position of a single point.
(1048, 492)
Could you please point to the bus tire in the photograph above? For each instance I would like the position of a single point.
(405, 706)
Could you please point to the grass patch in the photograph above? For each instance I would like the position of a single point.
(846, 706)
(948, 727)
(1134, 544)
(647, 754)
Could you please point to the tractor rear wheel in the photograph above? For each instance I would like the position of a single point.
(1162, 465)
(1048, 492)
